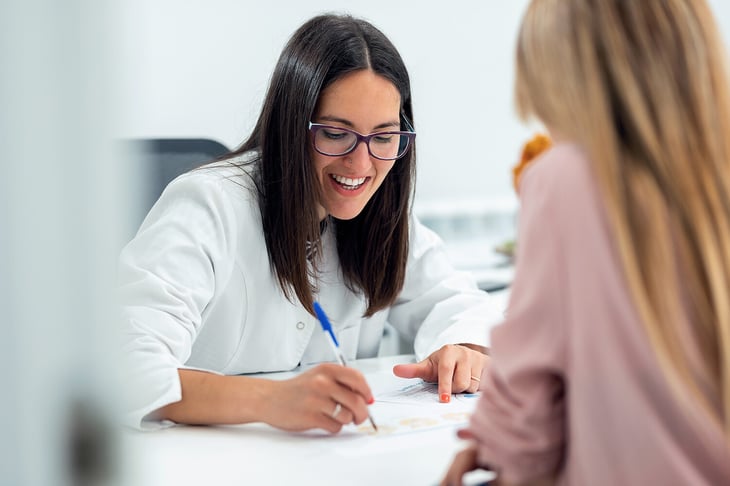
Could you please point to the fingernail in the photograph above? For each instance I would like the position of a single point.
(371, 401)
(445, 398)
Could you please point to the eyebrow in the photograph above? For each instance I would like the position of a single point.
(348, 123)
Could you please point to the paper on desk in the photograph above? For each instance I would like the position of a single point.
(408, 415)
(404, 406)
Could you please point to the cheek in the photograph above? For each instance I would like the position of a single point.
(319, 163)
(384, 169)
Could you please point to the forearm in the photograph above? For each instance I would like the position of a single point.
(307, 401)
(208, 398)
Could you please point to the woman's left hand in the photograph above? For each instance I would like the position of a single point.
(456, 367)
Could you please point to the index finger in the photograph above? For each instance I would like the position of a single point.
(355, 381)
(446, 369)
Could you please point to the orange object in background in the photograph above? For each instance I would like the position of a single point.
(534, 147)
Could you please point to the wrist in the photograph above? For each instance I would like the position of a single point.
(254, 404)
(476, 347)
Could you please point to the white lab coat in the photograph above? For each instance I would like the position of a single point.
(198, 292)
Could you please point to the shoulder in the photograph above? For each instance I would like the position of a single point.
(220, 193)
(221, 181)
(562, 176)
(421, 238)
(564, 163)
(561, 204)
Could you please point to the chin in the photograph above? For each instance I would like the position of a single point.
(346, 214)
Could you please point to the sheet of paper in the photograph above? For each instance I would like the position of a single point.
(406, 406)
(408, 415)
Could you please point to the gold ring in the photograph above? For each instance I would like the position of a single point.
(337, 409)
(475, 379)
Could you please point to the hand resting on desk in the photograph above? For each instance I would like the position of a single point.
(456, 367)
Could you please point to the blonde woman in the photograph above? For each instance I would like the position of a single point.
(613, 365)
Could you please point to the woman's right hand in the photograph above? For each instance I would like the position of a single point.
(463, 462)
(310, 400)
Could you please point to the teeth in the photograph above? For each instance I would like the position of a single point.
(346, 181)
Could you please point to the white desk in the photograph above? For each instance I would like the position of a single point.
(258, 454)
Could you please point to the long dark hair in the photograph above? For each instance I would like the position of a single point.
(372, 247)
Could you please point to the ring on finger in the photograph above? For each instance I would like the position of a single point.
(475, 378)
(336, 411)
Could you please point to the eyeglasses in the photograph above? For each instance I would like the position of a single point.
(338, 141)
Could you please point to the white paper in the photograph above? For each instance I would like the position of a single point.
(404, 406)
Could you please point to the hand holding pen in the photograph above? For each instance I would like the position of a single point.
(327, 396)
(327, 328)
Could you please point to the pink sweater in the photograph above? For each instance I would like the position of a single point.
(574, 388)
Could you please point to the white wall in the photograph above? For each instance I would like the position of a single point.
(200, 68)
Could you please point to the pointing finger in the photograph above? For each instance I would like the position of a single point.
(445, 376)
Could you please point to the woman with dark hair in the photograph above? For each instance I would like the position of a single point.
(221, 278)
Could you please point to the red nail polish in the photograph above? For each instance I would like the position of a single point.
(371, 401)
(445, 398)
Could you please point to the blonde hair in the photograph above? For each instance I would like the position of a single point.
(643, 86)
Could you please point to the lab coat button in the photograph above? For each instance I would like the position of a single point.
(300, 325)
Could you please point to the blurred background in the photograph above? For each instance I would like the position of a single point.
(80, 76)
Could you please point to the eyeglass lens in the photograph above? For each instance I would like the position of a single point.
(333, 141)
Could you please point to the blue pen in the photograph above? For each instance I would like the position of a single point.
(327, 328)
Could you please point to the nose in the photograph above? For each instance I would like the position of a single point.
(359, 158)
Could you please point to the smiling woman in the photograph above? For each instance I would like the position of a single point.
(350, 172)
(315, 205)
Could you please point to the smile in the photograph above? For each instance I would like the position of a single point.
(348, 183)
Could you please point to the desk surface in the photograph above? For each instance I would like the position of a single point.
(259, 454)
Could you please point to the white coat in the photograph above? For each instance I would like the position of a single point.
(198, 292)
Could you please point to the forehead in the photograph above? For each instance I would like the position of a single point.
(364, 98)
